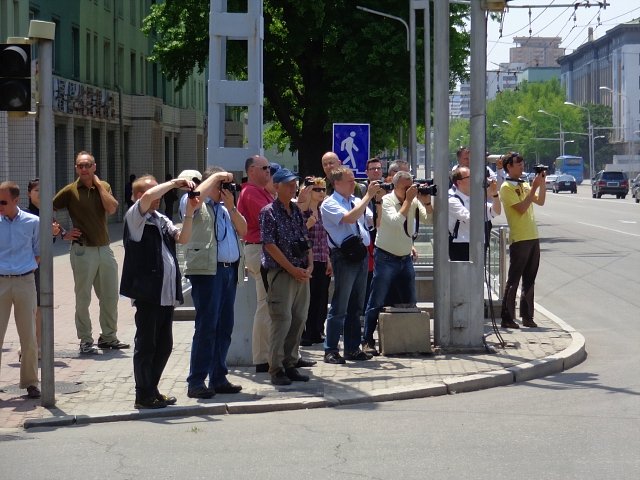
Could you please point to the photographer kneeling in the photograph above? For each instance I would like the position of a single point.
(402, 210)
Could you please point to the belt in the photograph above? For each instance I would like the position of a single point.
(227, 264)
(399, 257)
(18, 275)
(253, 243)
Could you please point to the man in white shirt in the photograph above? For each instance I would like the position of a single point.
(402, 209)
(459, 212)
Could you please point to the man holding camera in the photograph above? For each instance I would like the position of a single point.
(402, 210)
(460, 213)
(347, 219)
(287, 264)
(524, 249)
(212, 261)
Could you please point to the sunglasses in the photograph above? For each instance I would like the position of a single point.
(464, 178)
(265, 167)
(319, 189)
(4, 203)
(84, 166)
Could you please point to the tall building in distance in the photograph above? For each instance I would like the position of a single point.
(460, 102)
(536, 51)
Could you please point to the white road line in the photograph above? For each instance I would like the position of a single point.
(610, 229)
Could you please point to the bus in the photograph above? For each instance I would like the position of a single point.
(570, 165)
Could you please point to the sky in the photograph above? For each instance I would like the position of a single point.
(555, 21)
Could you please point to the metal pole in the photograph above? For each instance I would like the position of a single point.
(427, 89)
(442, 277)
(46, 147)
(413, 136)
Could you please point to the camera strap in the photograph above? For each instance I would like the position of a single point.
(454, 234)
(415, 232)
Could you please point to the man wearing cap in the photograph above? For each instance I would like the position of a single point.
(212, 262)
(19, 257)
(252, 199)
(89, 202)
(524, 248)
(287, 262)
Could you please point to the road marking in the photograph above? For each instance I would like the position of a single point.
(610, 229)
(628, 221)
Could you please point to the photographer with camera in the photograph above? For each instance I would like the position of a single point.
(460, 212)
(402, 210)
(212, 261)
(347, 221)
(524, 249)
(287, 265)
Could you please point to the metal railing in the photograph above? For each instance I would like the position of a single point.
(497, 259)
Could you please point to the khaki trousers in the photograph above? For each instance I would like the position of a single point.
(261, 319)
(20, 293)
(95, 267)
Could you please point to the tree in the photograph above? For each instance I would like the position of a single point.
(324, 62)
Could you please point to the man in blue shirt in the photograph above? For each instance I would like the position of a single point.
(212, 262)
(19, 257)
(346, 216)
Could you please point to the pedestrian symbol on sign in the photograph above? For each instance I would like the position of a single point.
(349, 145)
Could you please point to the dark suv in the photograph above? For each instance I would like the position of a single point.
(610, 183)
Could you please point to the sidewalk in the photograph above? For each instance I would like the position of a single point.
(100, 388)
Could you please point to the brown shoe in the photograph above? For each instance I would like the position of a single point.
(509, 324)
(529, 323)
(33, 391)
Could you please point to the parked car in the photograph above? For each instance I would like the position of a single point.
(564, 183)
(635, 186)
(610, 183)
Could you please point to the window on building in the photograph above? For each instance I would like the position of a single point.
(106, 67)
(120, 66)
(16, 18)
(119, 8)
(107, 5)
(133, 10)
(87, 58)
(94, 61)
(132, 71)
(56, 47)
(75, 47)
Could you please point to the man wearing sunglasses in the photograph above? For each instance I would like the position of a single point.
(89, 201)
(19, 257)
(524, 249)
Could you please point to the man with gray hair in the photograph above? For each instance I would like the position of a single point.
(402, 210)
(397, 166)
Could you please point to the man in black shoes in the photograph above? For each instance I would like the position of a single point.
(151, 278)
(524, 249)
(287, 263)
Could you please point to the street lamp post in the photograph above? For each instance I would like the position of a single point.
(412, 78)
(561, 132)
(535, 133)
(565, 142)
(591, 166)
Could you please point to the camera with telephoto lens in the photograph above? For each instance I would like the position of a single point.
(308, 181)
(299, 248)
(232, 187)
(193, 194)
(426, 187)
(540, 168)
(387, 187)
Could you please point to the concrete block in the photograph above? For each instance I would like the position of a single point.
(63, 421)
(404, 332)
(536, 368)
(574, 354)
(479, 381)
(276, 405)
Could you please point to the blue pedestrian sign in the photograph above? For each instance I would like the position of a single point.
(351, 144)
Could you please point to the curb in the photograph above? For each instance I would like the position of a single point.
(568, 358)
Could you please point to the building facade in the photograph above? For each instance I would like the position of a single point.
(536, 51)
(607, 71)
(108, 98)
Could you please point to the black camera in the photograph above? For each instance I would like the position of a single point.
(540, 168)
(232, 187)
(387, 187)
(299, 248)
(193, 194)
(308, 181)
(426, 187)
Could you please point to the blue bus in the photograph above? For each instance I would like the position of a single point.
(571, 166)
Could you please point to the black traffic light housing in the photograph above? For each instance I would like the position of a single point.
(15, 77)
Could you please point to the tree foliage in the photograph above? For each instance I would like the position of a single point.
(537, 135)
(325, 62)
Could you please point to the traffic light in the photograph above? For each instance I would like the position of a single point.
(15, 77)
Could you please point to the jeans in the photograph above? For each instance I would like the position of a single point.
(213, 298)
(153, 345)
(388, 270)
(346, 303)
